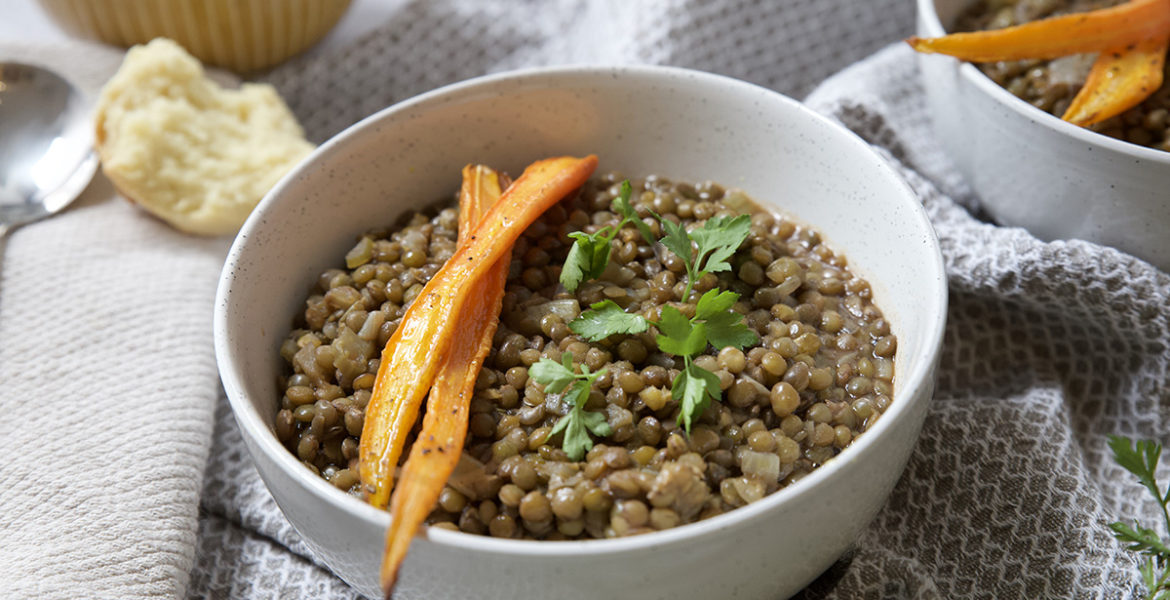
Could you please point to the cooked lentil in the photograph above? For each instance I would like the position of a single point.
(821, 376)
(1050, 85)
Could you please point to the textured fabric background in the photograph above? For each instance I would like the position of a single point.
(1049, 346)
(108, 386)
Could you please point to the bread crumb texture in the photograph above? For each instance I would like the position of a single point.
(197, 155)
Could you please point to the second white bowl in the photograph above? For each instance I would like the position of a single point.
(1033, 170)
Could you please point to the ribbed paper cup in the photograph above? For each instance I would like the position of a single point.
(241, 35)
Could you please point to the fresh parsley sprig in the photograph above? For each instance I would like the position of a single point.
(578, 422)
(589, 254)
(714, 324)
(707, 248)
(1156, 580)
(1141, 459)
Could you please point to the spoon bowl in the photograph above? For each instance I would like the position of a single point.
(46, 144)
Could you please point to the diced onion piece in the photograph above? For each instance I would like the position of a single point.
(567, 309)
(467, 476)
(361, 253)
(748, 488)
(740, 202)
(764, 466)
(1071, 69)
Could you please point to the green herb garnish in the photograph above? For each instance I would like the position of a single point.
(714, 323)
(725, 327)
(589, 254)
(606, 318)
(1141, 459)
(556, 377)
(715, 242)
(704, 250)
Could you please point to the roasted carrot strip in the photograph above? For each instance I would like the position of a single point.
(437, 448)
(1120, 80)
(1093, 31)
(423, 338)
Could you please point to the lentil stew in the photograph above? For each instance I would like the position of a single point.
(821, 375)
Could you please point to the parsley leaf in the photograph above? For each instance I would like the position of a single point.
(553, 375)
(693, 389)
(714, 302)
(595, 422)
(1140, 539)
(576, 426)
(716, 241)
(578, 422)
(1141, 459)
(677, 241)
(606, 318)
(587, 258)
(728, 329)
(721, 237)
(576, 441)
(622, 206)
(589, 254)
(714, 323)
(680, 336)
(1157, 583)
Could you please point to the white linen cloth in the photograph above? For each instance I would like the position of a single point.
(113, 420)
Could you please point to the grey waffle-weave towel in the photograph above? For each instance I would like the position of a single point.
(111, 411)
(1049, 348)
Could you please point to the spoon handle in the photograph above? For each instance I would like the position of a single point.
(4, 227)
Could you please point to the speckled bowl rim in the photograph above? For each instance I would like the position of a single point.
(257, 428)
(930, 19)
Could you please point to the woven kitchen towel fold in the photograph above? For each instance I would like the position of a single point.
(107, 385)
(789, 46)
(1049, 348)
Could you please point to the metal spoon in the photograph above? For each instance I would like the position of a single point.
(46, 144)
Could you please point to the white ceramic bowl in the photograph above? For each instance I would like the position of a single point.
(682, 124)
(1033, 170)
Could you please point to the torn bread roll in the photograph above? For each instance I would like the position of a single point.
(197, 155)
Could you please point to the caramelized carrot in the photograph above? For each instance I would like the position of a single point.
(437, 448)
(1120, 80)
(423, 338)
(1093, 31)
